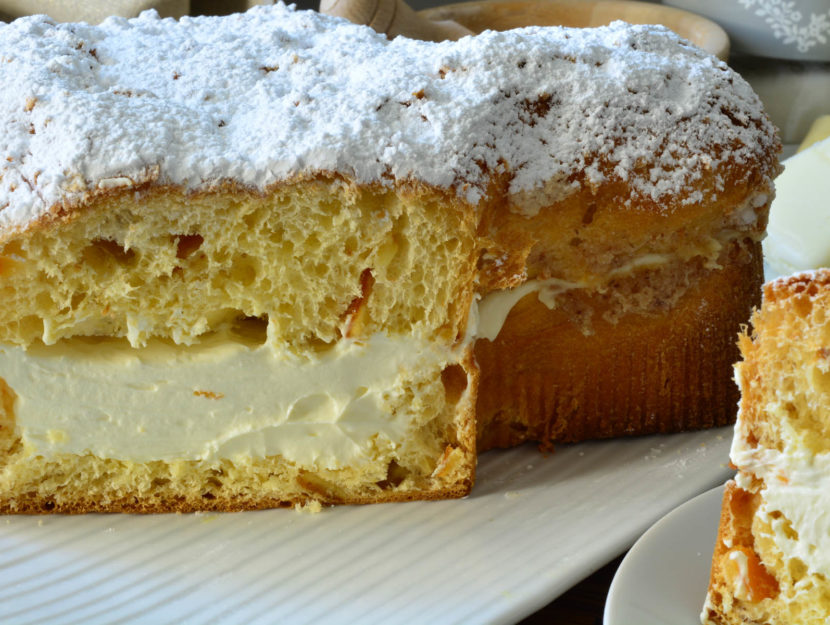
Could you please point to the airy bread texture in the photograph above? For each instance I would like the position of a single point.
(770, 563)
(301, 267)
(157, 261)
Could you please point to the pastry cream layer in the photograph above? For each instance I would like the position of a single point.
(222, 398)
(796, 484)
(494, 307)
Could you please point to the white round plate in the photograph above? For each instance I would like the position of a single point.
(663, 578)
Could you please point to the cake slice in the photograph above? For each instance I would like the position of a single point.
(230, 349)
(772, 557)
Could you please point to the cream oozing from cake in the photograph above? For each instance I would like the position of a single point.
(796, 483)
(739, 559)
(222, 398)
(494, 307)
(272, 94)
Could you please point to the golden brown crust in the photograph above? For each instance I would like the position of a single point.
(34, 504)
(743, 589)
(543, 379)
(734, 531)
(590, 230)
(808, 284)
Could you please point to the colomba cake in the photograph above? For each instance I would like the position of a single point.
(260, 259)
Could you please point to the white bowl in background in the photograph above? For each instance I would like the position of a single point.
(783, 29)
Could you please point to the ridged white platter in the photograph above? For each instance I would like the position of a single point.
(534, 525)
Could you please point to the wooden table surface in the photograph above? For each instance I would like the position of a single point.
(581, 605)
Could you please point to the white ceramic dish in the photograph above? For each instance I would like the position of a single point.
(663, 578)
(535, 525)
(783, 29)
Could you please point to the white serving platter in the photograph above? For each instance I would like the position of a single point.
(534, 525)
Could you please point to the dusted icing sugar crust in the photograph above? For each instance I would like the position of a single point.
(272, 94)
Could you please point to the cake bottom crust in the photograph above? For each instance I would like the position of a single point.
(734, 535)
(543, 379)
(115, 486)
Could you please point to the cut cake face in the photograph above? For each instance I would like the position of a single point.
(204, 330)
(207, 365)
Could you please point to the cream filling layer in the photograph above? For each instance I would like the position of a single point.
(221, 398)
(494, 307)
(796, 484)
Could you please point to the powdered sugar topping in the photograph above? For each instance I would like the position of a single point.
(260, 97)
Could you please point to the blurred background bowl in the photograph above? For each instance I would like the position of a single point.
(783, 29)
(506, 14)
